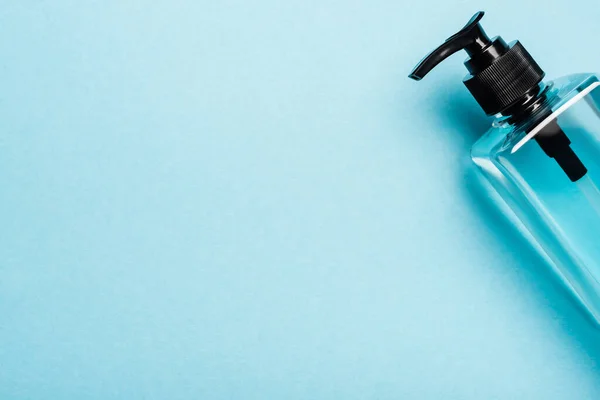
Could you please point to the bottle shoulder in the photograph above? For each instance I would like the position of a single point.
(503, 136)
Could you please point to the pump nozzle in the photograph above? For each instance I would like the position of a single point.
(471, 38)
(499, 74)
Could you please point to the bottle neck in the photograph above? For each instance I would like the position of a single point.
(530, 108)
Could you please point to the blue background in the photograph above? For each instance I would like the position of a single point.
(250, 200)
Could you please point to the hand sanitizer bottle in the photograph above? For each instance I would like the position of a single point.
(542, 153)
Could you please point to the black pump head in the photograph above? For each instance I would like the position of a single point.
(499, 74)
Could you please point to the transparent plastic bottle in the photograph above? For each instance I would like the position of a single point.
(542, 154)
(561, 215)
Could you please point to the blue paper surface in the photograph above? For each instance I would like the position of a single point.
(250, 200)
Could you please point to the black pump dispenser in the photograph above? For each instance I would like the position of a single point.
(505, 79)
(499, 74)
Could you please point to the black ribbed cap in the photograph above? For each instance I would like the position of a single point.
(506, 80)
